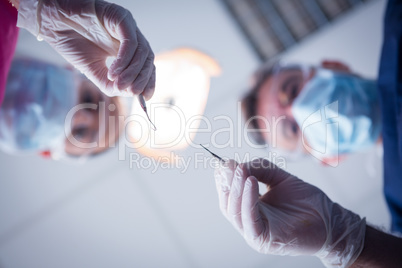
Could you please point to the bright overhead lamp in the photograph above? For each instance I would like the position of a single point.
(182, 86)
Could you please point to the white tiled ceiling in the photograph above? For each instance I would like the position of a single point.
(107, 214)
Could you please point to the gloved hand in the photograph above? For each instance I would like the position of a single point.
(292, 218)
(86, 33)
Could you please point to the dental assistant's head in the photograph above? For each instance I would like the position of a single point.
(56, 111)
(326, 111)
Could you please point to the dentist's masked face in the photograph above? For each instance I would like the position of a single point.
(38, 97)
(338, 113)
(320, 111)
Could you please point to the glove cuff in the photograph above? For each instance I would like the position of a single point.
(28, 16)
(345, 239)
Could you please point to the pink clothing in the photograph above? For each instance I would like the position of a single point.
(8, 41)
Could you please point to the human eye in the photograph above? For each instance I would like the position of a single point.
(87, 97)
(88, 93)
(293, 92)
(289, 91)
(290, 129)
(294, 128)
(80, 132)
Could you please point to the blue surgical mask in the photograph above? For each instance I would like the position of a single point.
(338, 113)
(37, 99)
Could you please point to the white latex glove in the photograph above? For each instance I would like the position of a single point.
(86, 33)
(292, 218)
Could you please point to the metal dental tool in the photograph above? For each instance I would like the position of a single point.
(144, 107)
(214, 155)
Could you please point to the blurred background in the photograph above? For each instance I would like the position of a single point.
(112, 212)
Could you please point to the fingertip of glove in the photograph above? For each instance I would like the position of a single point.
(114, 70)
(250, 181)
(120, 92)
(148, 93)
(147, 97)
(232, 164)
(111, 75)
(223, 166)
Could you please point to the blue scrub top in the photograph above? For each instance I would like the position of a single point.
(390, 87)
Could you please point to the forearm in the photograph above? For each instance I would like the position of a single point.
(15, 3)
(380, 250)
